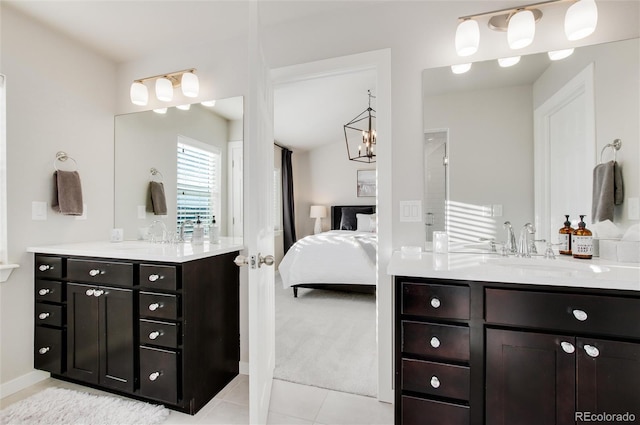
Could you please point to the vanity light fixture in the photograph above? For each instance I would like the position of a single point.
(557, 55)
(360, 132)
(164, 85)
(507, 62)
(580, 21)
(460, 68)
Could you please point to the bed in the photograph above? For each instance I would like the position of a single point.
(343, 258)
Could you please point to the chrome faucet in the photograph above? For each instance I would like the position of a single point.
(524, 246)
(510, 245)
(181, 234)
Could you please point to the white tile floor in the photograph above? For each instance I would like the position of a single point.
(290, 404)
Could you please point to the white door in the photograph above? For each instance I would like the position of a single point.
(258, 238)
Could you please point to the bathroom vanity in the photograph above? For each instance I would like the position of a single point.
(156, 322)
(483, 339)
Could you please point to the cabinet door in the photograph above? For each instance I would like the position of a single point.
(608, 374)
(82, 333)
(116, 338)
(530, 378)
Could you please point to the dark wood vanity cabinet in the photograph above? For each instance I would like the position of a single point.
(162, 332)
(524, 354)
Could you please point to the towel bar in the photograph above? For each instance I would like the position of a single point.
(62, 157)
(616, 144)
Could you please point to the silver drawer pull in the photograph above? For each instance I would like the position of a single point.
(43, 316)
(44, 267)
(43, 292)
(567, 347)
(95, 272)
(153, 277)
(435, 342)
(154, 306)
(89, 292)
(435, 302)
(98, 292)
(154, 376)
(581, 315)
(435, 382)
(591, 351)
(44, 350)
(154, 334)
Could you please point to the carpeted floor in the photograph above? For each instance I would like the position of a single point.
(326, 339)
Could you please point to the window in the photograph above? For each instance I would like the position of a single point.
(198, 182)
(277, 199)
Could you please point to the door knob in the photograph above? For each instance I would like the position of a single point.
(267, 260)
(254, 261)
(241, 260)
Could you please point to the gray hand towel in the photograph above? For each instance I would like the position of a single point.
(607, 191)
(156, 201)
(67, 193)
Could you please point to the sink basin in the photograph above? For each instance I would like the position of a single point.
(540, 266)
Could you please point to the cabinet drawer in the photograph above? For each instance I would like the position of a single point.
(160, 277)
(159, 374)
(614, 316)
(48, 314)
(436, 379)
(48, 345)
(48, 266)
(430, 300)
(49, 290)
(434, 340)
(416, 411)
(161, 306)
(100, 272)
(163, 334)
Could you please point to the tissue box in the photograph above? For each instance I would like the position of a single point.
(622, 251)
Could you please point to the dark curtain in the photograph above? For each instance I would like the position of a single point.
(288, 214)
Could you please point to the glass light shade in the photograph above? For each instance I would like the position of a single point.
(318, 211)
(557, 55)
(190, 84)
(139, 93)
(521, 29)
(164, 89)
(160, 110)
(467, 37)
(581, 19)
(460, 68)
(208, 103)
(507, 62)
(184, 107)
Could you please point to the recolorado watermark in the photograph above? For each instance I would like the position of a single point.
(604, 417)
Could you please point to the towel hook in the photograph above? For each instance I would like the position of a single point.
(154, 172)
(62, 157)
(615, 145)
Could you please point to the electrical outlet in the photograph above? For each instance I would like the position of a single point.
(142, 212)
(633, 208)
(496, 210)
(38, 210)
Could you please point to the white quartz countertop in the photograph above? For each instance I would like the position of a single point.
(143, 250)
(562, 271)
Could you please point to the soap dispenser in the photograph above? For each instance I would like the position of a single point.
(198, 233)
(214, 231)
(582, 241)
(564, 236)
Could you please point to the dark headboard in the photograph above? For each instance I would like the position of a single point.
(336, 213)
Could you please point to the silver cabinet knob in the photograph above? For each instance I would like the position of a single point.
(154, 334)
(43, 316)
(43, 292)
(581, 315)
(153, 376)
(89, 292)
(435, 302)
(98, 292)
(44, 350)
(591, 351)
(94, 272)
(567, 347)
(44, 267)
(153, 277)
(435, 382)
(435, 342)
(154, 306)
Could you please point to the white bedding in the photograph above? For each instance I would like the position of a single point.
(337, 256)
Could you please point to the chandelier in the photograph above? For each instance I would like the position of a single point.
(360, 135)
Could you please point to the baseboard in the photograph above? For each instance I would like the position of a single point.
(22, 382)
(244, 368)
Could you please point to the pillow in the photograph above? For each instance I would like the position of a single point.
(366, 222)
(348, 219)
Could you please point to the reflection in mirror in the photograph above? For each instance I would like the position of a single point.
(435, 180)
(509, 158)
(194, 155)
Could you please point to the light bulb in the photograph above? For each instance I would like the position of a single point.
(557, 55)
(581, 19)
(160, 110)
(507, 62)
(467, 37)
(184, 107)
(461, 68)
(139, 93)
(208, 103)
(521, 29)
(164, 89)
(190, 84)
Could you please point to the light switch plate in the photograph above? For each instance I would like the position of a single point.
(142, 212)
(410, 211)
(496, 210)
(38, 210)
(633, 208)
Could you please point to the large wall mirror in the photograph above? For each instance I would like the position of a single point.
(519, 144)
(196, 154)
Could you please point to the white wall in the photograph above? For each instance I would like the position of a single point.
(60, 97)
